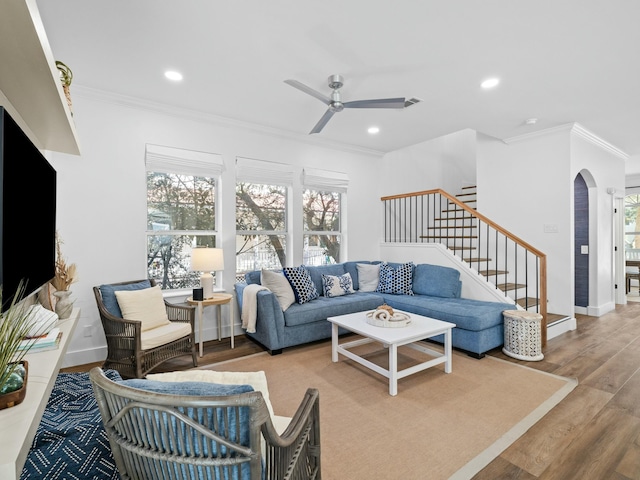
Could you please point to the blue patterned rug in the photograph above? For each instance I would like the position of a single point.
(70, 442)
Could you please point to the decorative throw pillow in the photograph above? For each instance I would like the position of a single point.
(368, 277)
(108, 293)
(336, 286)
(397, 281)
(301, 283)
(146, 306)
(279, 286)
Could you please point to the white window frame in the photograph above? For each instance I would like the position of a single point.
(163, 159)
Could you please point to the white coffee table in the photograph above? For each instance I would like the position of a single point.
(420, 328)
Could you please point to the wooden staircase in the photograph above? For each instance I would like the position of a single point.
(507, 262)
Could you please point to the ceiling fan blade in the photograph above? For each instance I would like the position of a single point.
(301, 86)
(322, 122)
(376, 103)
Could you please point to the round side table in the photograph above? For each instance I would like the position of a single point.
(523, 335)
(218, 300)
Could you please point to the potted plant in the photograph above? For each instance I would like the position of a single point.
(64, 276)
(15, 322)
(66, 77)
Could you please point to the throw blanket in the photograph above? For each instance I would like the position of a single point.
(250, 306)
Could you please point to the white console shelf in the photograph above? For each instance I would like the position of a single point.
(30, 87)
(19, 424)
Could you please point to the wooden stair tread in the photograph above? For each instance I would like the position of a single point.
(456, 210)
(468, 187)
(449, 236)
(455, 217)
(477, 259)
(451, 227)
(506, 287)
(528, 302)
(456, 247)
(465, 194)
(491, 273)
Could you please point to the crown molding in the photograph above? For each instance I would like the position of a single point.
(187, 114)
(591, 137)
(572, 128)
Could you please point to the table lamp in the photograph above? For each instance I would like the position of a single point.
(207, 260)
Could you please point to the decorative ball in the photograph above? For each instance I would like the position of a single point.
(13, 383)
(20, 370)
(387, 308)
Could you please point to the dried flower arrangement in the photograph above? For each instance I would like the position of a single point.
(65, 274)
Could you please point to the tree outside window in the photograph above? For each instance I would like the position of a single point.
(321, 212)
(180, 216)
(261, 226)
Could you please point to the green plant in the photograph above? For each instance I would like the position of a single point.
(66, 75)
(15, 323)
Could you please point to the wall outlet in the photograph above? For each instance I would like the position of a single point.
(584, 249)
(88, 331)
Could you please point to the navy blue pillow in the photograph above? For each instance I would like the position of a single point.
(303, 287)
(108, 293)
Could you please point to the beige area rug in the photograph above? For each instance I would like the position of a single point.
(439, 426)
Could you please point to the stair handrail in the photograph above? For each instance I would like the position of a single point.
(519, 241)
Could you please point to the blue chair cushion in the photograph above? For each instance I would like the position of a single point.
(108, 293)
(214, 418)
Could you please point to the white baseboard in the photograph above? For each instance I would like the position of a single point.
(560, 327)
(98, 354)
(595, 311)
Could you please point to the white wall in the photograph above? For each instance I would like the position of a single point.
(527, 184)
(524, 186)
(447, 162)
(102, 194)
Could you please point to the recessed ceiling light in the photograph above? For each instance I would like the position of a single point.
(531, 121)
(373, 130)
(173, 75)
(490, 82)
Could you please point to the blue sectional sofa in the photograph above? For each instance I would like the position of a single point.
(436, 294)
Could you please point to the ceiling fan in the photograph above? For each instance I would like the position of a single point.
(336, 104)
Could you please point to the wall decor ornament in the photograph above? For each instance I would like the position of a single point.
(66, 77)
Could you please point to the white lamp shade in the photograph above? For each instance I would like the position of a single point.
(207, 259)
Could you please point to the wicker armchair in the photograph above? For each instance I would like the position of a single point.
(159, 435)
(124, 339)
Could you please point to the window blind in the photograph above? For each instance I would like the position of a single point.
(163, 159)
(325, 180)
(251, 170)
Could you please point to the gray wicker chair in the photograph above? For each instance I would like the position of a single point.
(124, 347)
(166, 436)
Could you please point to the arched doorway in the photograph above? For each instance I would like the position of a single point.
(581, 239)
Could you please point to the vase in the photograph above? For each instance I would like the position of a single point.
(64, 305)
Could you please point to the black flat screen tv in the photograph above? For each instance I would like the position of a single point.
(28, 213)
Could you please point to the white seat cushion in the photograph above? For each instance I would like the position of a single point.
(258, 380)
(146, 306)
(162, 335)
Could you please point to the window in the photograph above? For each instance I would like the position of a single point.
(322, 210)
(632, 226)
(261, 215)
(181, 212)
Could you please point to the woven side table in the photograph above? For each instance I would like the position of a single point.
(523, 335)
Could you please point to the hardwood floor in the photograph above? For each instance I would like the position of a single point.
(594, 433)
